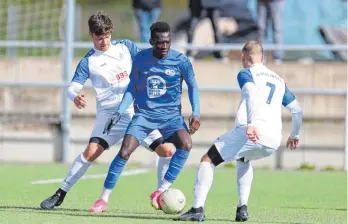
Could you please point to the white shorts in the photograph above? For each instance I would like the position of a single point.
(117, 132)
(235, 145)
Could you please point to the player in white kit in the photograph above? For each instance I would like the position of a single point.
(257, 131)
(107, 65)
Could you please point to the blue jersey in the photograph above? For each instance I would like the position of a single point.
(156, 85)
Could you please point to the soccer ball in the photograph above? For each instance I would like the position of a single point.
(172, 201)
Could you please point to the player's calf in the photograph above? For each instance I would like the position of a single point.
(180, 139)
(95, 148)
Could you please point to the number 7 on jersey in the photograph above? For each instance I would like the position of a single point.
(271, 92)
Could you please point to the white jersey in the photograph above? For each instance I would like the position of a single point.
(269, 95)
(109, 73)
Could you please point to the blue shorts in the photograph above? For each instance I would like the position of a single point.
(140, 127)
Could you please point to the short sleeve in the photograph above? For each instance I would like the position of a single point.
(243, 77)
(288, 96)
(82, 72)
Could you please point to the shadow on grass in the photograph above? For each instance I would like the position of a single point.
(9, 207)
(260, 221)
(123, 215)
(63, 210)
(85, 213)
(313, 208)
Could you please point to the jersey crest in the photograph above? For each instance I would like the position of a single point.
(156, 86)
(169, 72)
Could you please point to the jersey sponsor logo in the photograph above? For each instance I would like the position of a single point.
(156, 86)
(169, 72)
(121, 75)
(269, 75)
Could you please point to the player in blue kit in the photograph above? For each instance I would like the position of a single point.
(155, 88)
(107, 66)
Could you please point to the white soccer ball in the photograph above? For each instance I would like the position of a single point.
(172, 201)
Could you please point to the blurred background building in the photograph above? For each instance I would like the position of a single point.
(32, 62)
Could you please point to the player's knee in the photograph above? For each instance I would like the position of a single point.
(124, 153)
(185, 144)
(129, 144)
(95, 148)
(165, 150)
(206, 158)
(170, 152)
(92, 152)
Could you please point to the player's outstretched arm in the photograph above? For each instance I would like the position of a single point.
(128, 96)
(80, 77)
(193, 92)
(290, 102)
(249, 92)
(127, 100)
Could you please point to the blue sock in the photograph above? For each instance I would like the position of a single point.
(176, 165)
(114, 172)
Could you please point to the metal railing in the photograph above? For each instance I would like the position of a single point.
(205, 47)
(56, 120)
(68, 45)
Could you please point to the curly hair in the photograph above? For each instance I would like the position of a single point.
(159, 27)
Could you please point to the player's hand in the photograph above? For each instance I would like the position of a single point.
(252, 134)
(292, 143)
(112, 121)
(80, 101)
(194, 124)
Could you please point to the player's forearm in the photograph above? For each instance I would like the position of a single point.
(74, 90)
(296, 114)
(127, 100)
(194, 97)
(249, 91)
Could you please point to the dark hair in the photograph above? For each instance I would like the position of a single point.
(159, 27)
(100, 23)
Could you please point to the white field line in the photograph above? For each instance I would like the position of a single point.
(94, 176)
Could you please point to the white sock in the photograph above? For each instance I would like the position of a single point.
(165, 185)
(162, 167)
(204, 180)
(77, 170)
(244, 179)
(105, 194)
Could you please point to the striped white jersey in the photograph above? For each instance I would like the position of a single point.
(109, 73)
(267, 93)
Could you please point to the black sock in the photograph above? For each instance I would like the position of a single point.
(198, 210)
(61, 193)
